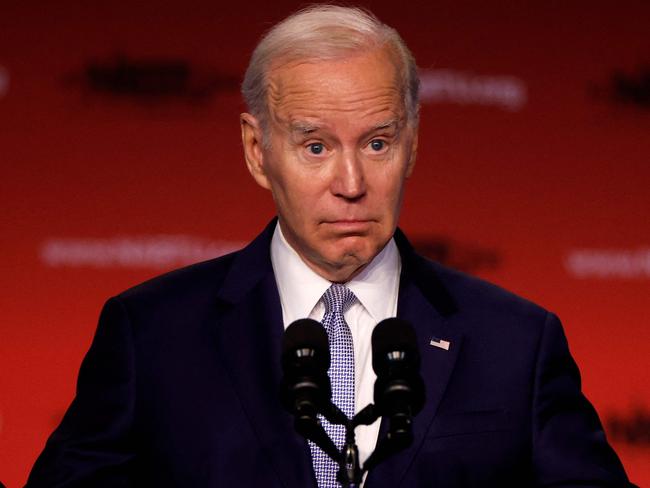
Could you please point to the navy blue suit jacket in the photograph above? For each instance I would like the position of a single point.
(180, 389)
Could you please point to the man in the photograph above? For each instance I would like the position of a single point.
(180, 386)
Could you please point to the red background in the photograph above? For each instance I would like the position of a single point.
(509, 194)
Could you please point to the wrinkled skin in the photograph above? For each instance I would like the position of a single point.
(340, 148)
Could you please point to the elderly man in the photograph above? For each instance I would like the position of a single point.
(180, 386)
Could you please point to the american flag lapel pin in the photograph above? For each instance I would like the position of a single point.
(441, 343)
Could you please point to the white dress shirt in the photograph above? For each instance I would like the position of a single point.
(376, 289)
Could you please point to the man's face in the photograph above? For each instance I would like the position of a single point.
(340, 147)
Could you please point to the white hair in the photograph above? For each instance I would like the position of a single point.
(327, 32)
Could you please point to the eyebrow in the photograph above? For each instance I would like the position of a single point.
(304, 128)
(395, 124)
(385, 125)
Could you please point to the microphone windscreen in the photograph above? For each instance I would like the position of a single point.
(392, 335)
(307, 334)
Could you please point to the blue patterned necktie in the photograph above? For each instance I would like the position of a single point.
(337, 299)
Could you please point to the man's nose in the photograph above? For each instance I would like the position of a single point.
(349, 180)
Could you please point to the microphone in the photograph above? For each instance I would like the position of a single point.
(305, 389)
(399, 389)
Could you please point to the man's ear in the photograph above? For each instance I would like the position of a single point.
(413, 154)
(251, 136)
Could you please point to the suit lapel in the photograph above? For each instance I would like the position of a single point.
(425, 303)
(249, 336)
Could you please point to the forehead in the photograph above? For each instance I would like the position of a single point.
(360, 87)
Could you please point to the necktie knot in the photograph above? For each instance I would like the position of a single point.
(337, 299)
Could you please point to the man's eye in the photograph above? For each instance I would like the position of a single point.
(316, 148)
(377, 144)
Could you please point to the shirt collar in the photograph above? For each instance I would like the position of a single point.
(301, 288)
(377, 286)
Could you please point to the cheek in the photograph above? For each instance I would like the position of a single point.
(389, 185)
(297, 201)
(305, 191)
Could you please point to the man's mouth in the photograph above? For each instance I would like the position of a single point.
(349, 225)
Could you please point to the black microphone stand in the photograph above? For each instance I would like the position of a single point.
(398, 438)
(350, 473)
(307, 424)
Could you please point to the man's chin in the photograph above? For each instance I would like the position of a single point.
(348, 260)
(343, 271)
